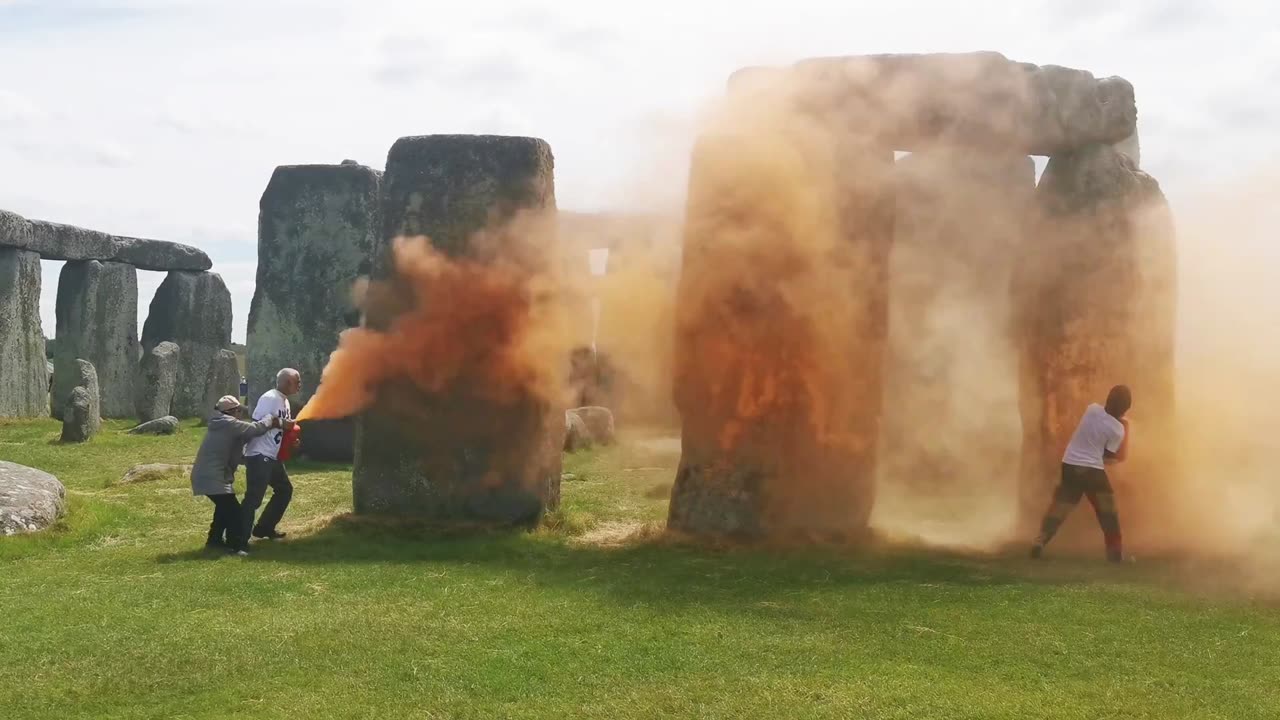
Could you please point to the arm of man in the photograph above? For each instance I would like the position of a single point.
(1117, 449)
(248, 430)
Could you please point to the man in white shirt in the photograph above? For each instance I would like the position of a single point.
(1101, 438)
(263, 469)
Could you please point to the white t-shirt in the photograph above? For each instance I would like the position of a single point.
(1096, 432)
(272, 402)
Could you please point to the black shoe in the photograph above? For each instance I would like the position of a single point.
(1036, 551)
(215, 545)
(272, 535)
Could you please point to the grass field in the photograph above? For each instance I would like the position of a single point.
(118, 613)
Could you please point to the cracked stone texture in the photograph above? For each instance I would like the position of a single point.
(97, 320)
(193, 310)
(24, 389)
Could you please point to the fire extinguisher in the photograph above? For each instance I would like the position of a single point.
(288, 442)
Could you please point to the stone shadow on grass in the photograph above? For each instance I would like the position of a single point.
(658, 573)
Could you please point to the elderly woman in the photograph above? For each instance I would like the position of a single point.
(214, 471)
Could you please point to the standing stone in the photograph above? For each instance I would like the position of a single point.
(962, 215)
(23, 381)
(77, 417)
(223, 379)
(780, 330)
(455, 456)
(1097, 300)
(157, 378)
(318, 226)
(192, 309)
(81, 415)
(97, 319)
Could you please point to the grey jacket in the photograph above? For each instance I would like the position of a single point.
(220, 452)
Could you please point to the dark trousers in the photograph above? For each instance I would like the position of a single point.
(226, 525)
(1080, 482)
(261, 473)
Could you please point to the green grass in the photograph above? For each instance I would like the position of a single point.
(117, 614)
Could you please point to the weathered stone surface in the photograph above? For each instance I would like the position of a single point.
(55, 241)
(1096, 298)
(30, 499)
(598, 421)
(223, 378)
(778, 373)
(962, 218)
(85, 407)
(982, 99)
(194, 311)
(160, 255)
(167, 425)
(77, 417)
(577, 436)
(152, 472)
(157, 379)
(15, 230)
(23, 382)
(452, 457)
(318, 226)
(329, 440)
(97, 316)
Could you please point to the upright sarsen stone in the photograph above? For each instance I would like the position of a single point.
(193, 310)
(453, 456)
(318, 226)
(97, 320)
(780, 332)
(24, 391)
(1096, 294)
(223, 379)
(157, 380)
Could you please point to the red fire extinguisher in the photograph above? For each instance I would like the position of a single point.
(288, 442)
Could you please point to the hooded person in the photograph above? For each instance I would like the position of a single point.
(214, 472)
(1101, 439)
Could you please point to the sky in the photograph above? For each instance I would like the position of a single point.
(165, 119)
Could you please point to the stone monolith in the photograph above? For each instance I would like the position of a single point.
(193, 310)
(453, 456)
(97, 320)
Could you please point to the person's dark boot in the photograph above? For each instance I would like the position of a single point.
(1037, 551)
(268, 534)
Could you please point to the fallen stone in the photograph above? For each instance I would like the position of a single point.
(24, 390)
(576, 434)
(192, 310)
(223, 379)
(77, 417)
(30, 499)
(452, 457)
(97, 320)
(152, 472)
(157, 379)
(56, 241)
(981, 99)
(317, 229)
(598, 422)
(167, 425)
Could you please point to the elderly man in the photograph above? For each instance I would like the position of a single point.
(263, 468)
(214, 472)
